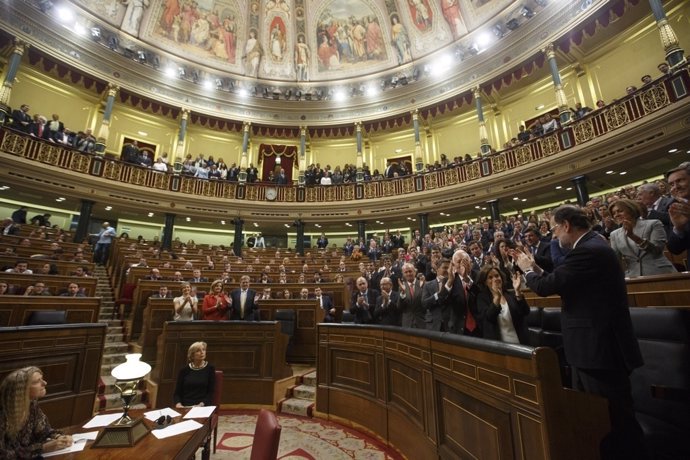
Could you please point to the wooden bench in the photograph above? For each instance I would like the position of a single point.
(65, 268)
(56, 284)
(15, 310)
(69, 356)
(434, 395)
(644, 291)
(251, 355)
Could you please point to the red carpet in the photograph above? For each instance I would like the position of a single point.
(301, 438)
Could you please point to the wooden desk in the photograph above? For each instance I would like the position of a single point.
(182, 446)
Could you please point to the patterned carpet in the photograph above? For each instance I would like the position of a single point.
(301, 438)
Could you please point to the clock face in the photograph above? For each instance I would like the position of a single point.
(271, 194)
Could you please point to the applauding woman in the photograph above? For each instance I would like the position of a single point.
(216, 303)
(639, 243)
(501, 313)
(24, 428)
(186, 305)
(196, 381)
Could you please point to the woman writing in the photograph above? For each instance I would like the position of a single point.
(216, 303)
(639, 243)
(501, 314)
(196, 381)
(186, 305)
(24, 428)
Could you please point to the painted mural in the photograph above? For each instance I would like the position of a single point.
(300, 40)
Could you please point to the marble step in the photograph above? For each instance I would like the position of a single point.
(110, 401)
(306, 392)
(116, 337)
(309, 379)
(111, 360)
(111, 322)
(294, 406)
(115, 347)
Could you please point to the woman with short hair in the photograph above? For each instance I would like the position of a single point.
(185, 306)
(24, 429)
(197, 380)
(639, 243)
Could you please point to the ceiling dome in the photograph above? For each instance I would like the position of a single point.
(314, 62)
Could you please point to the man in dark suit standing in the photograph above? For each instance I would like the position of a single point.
(326, 303)
(410, 289)
(363, 302)
(598, 337)
(244, 307)
(387, 311)
(322, 242)
(540, 250)
(21, 120)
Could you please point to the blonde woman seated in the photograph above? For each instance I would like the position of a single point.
(185, 306)
(501, 315)
(639, 243)
(24, 429)
(197, 380)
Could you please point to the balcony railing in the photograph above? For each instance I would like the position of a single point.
(645, 101)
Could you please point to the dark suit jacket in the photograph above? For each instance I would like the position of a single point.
(364, 315)
(595, 319)
(661, 213)
(678, 243)
(322, 243)
(413, 312)
(390, 314)
(19, 117)
(46, 134)
(448, 308)
(543, 256)
(487, 315)
(251, 309)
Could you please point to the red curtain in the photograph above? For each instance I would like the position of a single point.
(267, 159)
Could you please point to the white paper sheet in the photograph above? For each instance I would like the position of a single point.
(102, 420)
(200, 412)
(78, 445)
(177, 428)
(156, 414)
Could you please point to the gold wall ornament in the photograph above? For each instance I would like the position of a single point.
(48, 154)
(388, 187)
(252, 193)
(450, 176)
(499, 163)
(138, 176)
(187, 185)
(407, 184)
(311, 195)
(549, 145)
(161, 181)
(290, 194)
(329, 193)
(583, 131)
(430, 181)
(654, 98)
(348, 192)
(371, 190)
(616, 116)
(112, 170)
(472, 170)
(14, 143)
(80, 162)
(523, 155)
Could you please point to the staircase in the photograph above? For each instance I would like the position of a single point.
(300, 398)
(115, 348)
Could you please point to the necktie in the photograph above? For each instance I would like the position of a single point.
(470, 323)
(40, 130)
(411, 289)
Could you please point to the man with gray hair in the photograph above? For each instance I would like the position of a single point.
(649, 196)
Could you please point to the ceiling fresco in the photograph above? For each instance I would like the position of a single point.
(298, 40)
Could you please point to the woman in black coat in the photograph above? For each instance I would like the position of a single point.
(502, 314)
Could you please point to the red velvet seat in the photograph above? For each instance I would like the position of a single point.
(217, 392)
(266, 437)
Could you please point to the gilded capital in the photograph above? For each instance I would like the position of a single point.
(549, 51)
(477, 92)
(112, 89)
(184, 113)
(20, 46)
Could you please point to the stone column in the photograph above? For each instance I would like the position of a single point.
(6, 89)
(580, 183)
(484, 146)
(669, 40)
(299, 246)
(182, 133)
(302, 162)
(563, 109)
(84, 219)
(104, 130)
(418, 155)
(166, 242)
(493, 208)
(244, 163)
(360, 156)
(362, 230)
(237, 242)
(423, 223)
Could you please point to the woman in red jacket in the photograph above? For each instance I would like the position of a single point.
(216, 303)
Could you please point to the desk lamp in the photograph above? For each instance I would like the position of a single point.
(125, 431)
